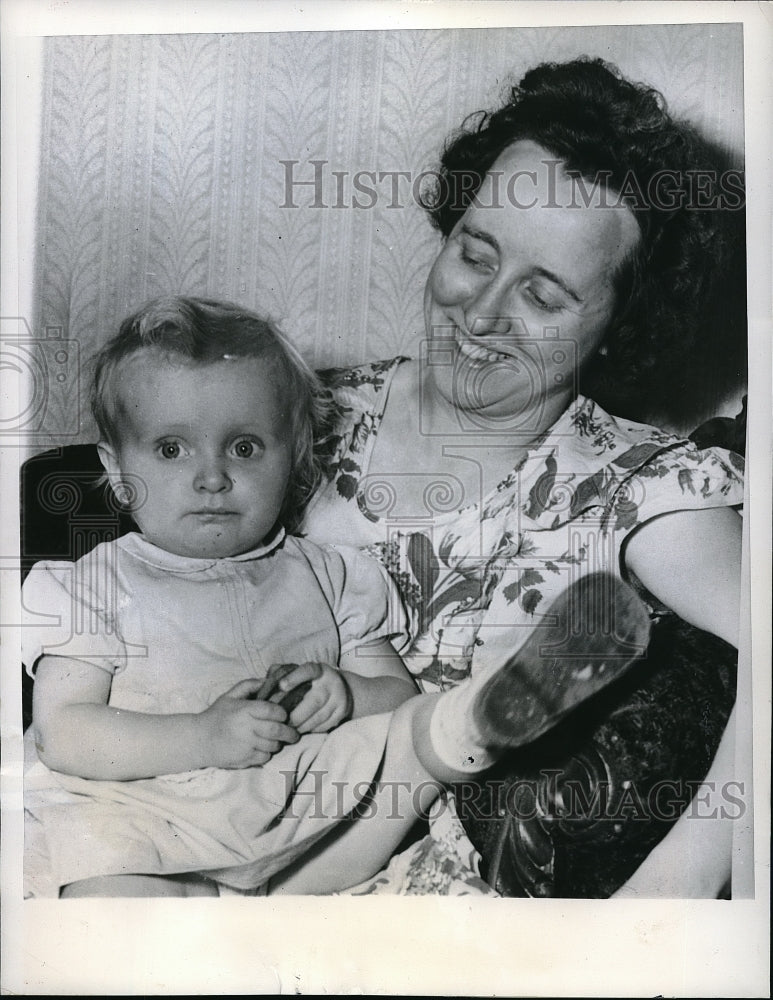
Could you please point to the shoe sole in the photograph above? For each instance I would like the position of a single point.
(593, 632)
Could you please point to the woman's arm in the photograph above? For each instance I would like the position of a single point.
(693, 859)
(78, 733)
(691, 561)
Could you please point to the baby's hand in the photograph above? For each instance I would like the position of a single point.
(327, 702)
(240, 731)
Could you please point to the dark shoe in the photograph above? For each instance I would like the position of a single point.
(592, 634)
(575, 813)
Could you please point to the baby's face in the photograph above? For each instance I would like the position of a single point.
(211, 446)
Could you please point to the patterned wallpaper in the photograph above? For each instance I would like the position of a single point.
(162, 169)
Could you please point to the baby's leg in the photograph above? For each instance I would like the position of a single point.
(139, 885)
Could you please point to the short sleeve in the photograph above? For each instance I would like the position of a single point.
(634, 489)
(65, 612)
(366, 604)
(677, 479)
(611, 476)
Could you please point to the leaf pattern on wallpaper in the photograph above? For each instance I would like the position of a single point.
(295, 128)
(691, 72)
(161, 166)
(414, 86)
(396, 324)
(239, 139)
(127, 260)
(183, 163)
(673, 60)
(346, 232)
(72, 213)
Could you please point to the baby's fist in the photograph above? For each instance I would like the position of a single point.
(327, 701)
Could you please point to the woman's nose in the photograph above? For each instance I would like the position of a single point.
(212, 477)
(487, 313)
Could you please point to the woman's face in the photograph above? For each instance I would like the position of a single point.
(521, 294)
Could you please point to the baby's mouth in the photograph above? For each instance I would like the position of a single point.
(213, 513)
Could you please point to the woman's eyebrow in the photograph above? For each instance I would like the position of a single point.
(551, 276)
(543, 272)
(480, 234)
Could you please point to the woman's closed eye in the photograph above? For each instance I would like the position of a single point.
(475, 261)
(476, 254)
(543, 299)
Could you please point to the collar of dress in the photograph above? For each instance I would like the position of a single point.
(138, 546)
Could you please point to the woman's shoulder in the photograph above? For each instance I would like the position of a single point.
(643, 470)
(596, 430)
(631, 444)
(593, 461)
(359, 397)
(361, 383)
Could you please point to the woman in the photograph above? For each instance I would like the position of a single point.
(573, 258)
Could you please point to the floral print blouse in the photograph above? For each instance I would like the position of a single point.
(476, 579)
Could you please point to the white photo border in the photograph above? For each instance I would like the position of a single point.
(427, 945)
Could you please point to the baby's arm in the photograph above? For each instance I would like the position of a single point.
(377, 678)
(78, 733)
(372, 679)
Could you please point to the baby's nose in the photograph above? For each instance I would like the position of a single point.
(212, 477)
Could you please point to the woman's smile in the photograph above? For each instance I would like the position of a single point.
(477, 352)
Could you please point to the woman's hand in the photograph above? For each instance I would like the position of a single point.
(327, 702)
(241, 730)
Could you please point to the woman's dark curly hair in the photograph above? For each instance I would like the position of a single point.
(608, 130)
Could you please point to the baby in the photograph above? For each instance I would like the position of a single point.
(166, 765)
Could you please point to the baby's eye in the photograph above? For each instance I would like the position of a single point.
(245, 448)
(170, 450)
